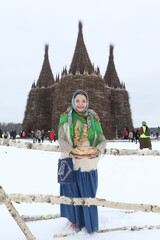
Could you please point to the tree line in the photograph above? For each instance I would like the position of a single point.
(11, 126)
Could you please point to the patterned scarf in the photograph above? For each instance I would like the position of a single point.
(86, 113)
(88, 116)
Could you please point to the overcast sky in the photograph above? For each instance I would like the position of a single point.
(132, 26)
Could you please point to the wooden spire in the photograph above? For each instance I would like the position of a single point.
(46, 77)
(111, 77)
(81, 62)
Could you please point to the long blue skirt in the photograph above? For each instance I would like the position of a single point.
(84, 185)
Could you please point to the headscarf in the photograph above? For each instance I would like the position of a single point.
(88, 116)
(80, 92)
(86, 113)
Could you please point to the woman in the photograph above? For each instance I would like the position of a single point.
(85, 172)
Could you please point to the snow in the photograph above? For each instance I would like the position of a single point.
(130, 179)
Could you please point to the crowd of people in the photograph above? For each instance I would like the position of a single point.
(5, 134)
(133, 135)
(142, 135)
(37, 135)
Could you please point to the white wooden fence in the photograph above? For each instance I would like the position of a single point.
(56, 148)
(7, 199)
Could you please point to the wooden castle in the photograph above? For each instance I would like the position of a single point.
(50, 97)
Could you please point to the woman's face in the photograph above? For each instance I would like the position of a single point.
(80, 102)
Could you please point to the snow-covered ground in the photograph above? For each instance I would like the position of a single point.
(132, 179)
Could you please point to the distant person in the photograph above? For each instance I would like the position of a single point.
(42, 136)
(14, 134)
(130, 136)
(23, 134)
(1, 133)
(48, 137)
(144, 138)
(51, 136)
(126, 133)
(5, 134)
(39, 136)
(157, 134)
(11, 134)
(134, 133)
(36, 136)
(137, 135)
(54, 137)
(33, 136)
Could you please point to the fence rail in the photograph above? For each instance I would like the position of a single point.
(7, 199)
(56, 148)
(51, 199)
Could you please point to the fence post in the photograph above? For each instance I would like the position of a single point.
(17, 217)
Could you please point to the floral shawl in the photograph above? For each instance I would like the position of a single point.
(71, 117)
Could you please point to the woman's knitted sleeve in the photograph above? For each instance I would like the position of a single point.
(64, 145)
(102, 146)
